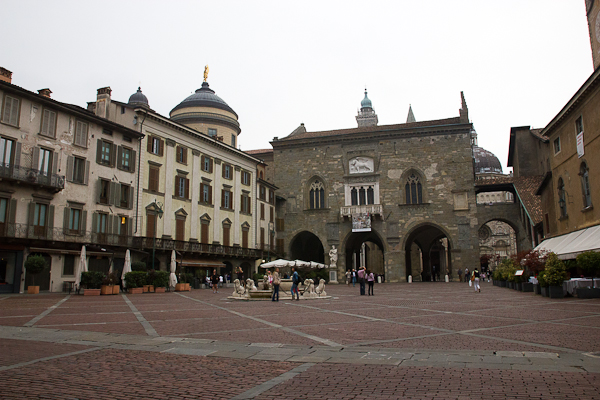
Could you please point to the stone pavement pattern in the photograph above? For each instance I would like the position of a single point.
(419, 341)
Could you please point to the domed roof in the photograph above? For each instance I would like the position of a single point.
(366, 103)
(204, 97)
(486, 162)
(138, 99)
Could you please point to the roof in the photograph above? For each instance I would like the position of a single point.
(259, 151)
(526, 188)
(204, 97)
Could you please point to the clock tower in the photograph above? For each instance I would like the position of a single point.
(593, 16)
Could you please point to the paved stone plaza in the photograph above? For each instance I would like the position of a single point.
(411, 341)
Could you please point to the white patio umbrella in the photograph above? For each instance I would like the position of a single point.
(82, 266)
(126, 266)
(300, 263)
(281, 263)
(317, 265)
(173, 277)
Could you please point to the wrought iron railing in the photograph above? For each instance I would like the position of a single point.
(32, 176)
(24, 231)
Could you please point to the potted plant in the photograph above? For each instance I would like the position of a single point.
(543, 284)
(134, 281)
(91, 281)
(138, 266)
(589, 262)
(34, 265)
(160, 280)
(556, 274)
(184, 282)
(109, 283)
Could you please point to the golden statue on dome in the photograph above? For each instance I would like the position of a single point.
(205, 73)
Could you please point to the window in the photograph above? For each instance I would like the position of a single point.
(101, 223)
(204, 231)
(212, 132)
(245, 178)
(77, 170)
(262, 238)
(585, 185)
(205, 193)
(104, 191)
(271, 196)
(39, 219)
(280, 224)
(6, 150)
(226, 232)
(226, 199)
(562, 198)
(180, 227)
(245, 230)
(48, 127)
(362, 195)
(270, 214)
(126, 159)
(4, 209)
(155, 146)
(578, 126)
(105, 149)
(227, 171)
(182, 187)
(557, 145)
(153, 179)
(316, 195)
(207, 164)
(413, 190)
(245, 203)
(81, 134)
(44, 161)
(262, 211)
(11, 111)
(233, 140)
(68, 265)
(150, 224)
(75, 219)
(126, 193)
(263, 193)
(181, 155)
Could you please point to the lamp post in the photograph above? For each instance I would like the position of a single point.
(159, 211)
(270, 235)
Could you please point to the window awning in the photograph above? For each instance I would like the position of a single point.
(569, 245)
(202, 264)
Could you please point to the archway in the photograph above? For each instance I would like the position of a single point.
(372, 254)
(497, 241)
(306, 246)
(428, 254)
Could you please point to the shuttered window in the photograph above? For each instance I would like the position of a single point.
(180, 228)
(226, 234)
(204, 231)
(81, 134)
(205, 193)
(10, 111)
(153, 176)
(48, 124)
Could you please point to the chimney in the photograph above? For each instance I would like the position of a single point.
(103, 102)
(45, 92)
(5, 75)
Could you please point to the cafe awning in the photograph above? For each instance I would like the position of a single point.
(569, 245)
(201, 263)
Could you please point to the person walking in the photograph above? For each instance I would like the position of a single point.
(276, 282)
(353, 278)
(467, 276)
(476, 280)
(295, 283)
(348, 277)
(460, 275)
(370, 281)
(361, 280)
(214, 279)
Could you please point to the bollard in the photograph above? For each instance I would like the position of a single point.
(410, 279)
(447, 278)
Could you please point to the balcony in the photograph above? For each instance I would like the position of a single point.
(32, 176)
(373, 209)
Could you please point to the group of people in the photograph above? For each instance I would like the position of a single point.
(472, 277)
(362, 276)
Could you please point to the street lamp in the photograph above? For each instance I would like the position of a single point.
(271, 230)
(158, 209)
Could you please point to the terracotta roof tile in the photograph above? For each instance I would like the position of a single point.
(258, 151)
(526, 187)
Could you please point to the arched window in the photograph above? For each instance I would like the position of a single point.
(584, 173)
(414, 190)
(562, 198)
(317, 195)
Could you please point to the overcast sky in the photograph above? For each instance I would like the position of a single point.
(280, 63)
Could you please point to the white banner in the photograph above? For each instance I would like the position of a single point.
(361, 222)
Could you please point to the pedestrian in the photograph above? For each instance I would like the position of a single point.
(276, 282)
(353, 277)
(295, 283)
(361, 280)
(370, 281)
(240, 276)
(220, 280)
(460, 275)
(433, 273)
(476, 280)
(348, 277)
(467, 276)
(214, 278)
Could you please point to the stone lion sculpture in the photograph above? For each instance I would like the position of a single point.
(320, 290)
(250, 286)
(239, 290)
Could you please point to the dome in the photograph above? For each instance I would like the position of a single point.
(366, 103)
(204, 97)
(486, 162)
(138, 99)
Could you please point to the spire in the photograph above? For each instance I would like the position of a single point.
(366, 116)
(411, 117)
(464, 111)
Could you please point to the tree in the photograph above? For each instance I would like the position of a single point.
(34, 265)
(589, 262)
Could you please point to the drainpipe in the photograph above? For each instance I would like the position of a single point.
(137, 202)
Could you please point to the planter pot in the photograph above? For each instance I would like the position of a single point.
(544, 290)
(137, 290)
(180, 287)
(537, 289)
(556, 292)
(588, 293)
(187, 287)
(33, 289)
(148, 288)
(106, 289)
(92, 292)
(116, 289)
(511, 285)
(502, 283)
(160, 290)
(527, 287)
(518, 286)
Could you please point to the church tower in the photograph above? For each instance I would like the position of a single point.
(366, 116)
(593, 17)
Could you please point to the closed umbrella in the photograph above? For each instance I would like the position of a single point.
(173, 277)
(126, 266)
(81, 268)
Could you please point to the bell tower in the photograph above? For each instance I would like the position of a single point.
(366, 116)
(592, 8)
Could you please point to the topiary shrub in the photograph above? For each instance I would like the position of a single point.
(159, 278)
(34, 265)
(589, 262)
(92, 279)
(138, 266)
(555, 271)
(542, 279)
(135, 279)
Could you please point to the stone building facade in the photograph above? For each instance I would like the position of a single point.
(406, 191)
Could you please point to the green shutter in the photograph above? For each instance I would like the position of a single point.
(50, 225)
(70, 164)
(83, 222)
(86, 173)
(66, 220)
(99, 151)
